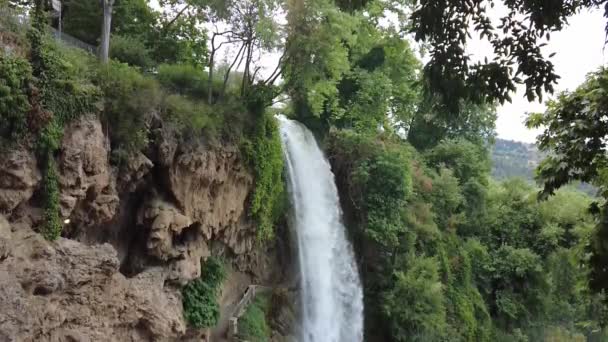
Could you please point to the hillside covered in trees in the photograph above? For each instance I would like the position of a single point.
(514, 159)
(195, 194)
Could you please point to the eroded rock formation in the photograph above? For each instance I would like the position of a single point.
(134, 234)
(69, 291)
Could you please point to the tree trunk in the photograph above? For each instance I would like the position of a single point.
(211, 62)
(227, 74)
(104, 50)
(247, 65)
(210, 80)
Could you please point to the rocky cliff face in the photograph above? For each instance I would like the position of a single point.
(134, 233)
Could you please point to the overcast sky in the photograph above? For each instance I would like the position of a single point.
(579, 50)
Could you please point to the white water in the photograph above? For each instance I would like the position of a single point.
(331, 290)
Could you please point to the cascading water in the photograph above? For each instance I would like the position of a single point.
(331, 290)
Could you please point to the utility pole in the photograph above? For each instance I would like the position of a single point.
(57, 8)
(104, 50)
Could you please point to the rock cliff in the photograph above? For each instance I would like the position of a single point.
(134, 233)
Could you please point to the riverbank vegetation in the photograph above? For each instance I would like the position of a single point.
(445, 252)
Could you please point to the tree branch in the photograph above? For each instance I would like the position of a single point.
(277, 71)
(227, 74)
(179, 14)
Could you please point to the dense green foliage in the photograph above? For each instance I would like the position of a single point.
(15, 78)
(131, 51)
(127, 91)
(264, 154)
(343, 69)
(200, 296)
(52, 222)
(253, 324)
(459, 257)
(574, 137)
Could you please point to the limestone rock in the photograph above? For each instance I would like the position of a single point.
(85, 171)
(211, 187)
(5, 241)
(133, 173)
(19, 177)
(67, 291)
(165, 223)
(173, 237)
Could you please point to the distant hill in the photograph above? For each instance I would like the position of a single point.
(514, 159)
(517, 159)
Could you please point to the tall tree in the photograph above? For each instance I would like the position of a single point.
(575, 137)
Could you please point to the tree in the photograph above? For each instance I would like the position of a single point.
(104, 50)
(133, 18)
(415, 305)
(433, 122)
(516, 41)
(574, 135)
(180, 36)
(253, 27)
(344, 68)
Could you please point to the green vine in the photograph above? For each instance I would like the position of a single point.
(264, 154)
(15, 77)
(59, 95)
(52, 222)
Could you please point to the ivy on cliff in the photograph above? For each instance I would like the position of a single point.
(52, 222)
(61, 94)
(15, 78)
(263, 152)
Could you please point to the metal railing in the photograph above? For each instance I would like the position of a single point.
(16, 21)
(241, 307)
(74, 42)
(13, 20)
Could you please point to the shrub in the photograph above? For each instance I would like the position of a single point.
(184, 79)
(187, 79)
(131, 51)
(15, 76)
(379, 176)
(253, 325)
(190, 117)
(199, 297)
(129, 98)
(385, 183)
(415, 304)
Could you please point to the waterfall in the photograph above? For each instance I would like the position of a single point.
(332, 297)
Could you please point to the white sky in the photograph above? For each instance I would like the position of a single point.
(579, 50)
